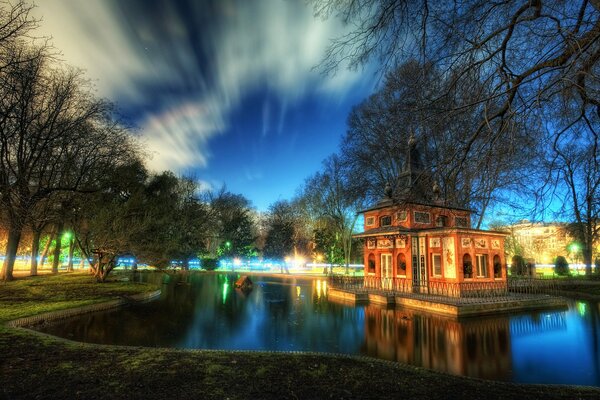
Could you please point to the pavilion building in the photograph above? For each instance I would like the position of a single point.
(414, 242)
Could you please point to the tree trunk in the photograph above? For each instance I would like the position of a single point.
(35, 251)
(45, 251)
(14, 237)
(57, 248)
(71, 251)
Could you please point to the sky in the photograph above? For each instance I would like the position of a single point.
(228, 91)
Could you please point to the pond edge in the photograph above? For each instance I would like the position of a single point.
(90, 308)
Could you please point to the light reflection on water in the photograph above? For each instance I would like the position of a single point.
(293, 314)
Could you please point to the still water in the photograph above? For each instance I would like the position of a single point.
(204, 311)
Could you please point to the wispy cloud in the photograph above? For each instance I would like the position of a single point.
(185, 66)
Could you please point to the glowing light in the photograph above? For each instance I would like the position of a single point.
(225, 290)
(237, 262)
(581, 308)
(297, 291)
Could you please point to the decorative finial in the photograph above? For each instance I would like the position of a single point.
(388, 190)
(436, 190)
(412, 140)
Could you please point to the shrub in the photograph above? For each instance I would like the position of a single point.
(561, 266)
(210, 264)
(517, 266)
(597, 265)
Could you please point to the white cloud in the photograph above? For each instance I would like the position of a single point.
(273, 44)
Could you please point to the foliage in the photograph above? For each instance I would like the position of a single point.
(281, 226)
(236, 229)
(210, 264)
(561, 266)
(327, 242)
(518, 267)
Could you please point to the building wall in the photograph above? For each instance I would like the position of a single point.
(451, 248)
(539, 242)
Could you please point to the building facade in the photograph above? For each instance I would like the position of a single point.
(413, 242)
(540, 242)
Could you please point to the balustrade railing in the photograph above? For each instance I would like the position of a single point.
(473, 291)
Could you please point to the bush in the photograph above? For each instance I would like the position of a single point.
(210, 264)
(597, 265)
(561, 266)
(517, 266)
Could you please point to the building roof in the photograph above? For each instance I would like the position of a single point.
(389, 203)
(381, 231)
(398, 230)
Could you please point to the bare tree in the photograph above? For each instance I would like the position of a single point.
(525, 54)
(332, 195)
(379, 129)
(54, 137)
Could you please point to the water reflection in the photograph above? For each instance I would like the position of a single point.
(206, 311)
(478, 348)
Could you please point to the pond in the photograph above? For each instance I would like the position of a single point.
(204, 311)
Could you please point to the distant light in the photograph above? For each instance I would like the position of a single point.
(237, 262)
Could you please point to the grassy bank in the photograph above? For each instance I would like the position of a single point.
(38, 366)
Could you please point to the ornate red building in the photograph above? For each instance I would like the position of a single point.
(413, 242)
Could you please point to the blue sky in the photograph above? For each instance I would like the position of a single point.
(224, 89)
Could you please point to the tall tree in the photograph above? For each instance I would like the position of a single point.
(237, 231)
(572, 162)
(281, 230)
(54, 137)
(375, 146)
(332, 195)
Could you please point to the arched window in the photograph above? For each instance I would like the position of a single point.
(371, 263)
(401, 265)
(497, 266)
(467, 266)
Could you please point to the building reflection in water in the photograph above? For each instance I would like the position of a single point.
(478, 348)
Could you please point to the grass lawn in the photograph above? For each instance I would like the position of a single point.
(37, 366)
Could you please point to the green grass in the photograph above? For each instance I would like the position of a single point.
(36, 366)
(30, 296)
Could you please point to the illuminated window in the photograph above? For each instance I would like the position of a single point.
(370, 221)
(481, 263)
(460, 222)
(386, 220)
(401, 216)
(437, 264)
(422, 217)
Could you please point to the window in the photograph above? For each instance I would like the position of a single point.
(401, 266)
(370, 221)
(422, 217)
(386, 220)
(371, 263)
(442, 220)
(481, 261)
(467, 266)
(460, 222)
(497, 267)
(437, 264)
(401, 216)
